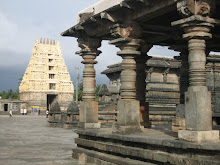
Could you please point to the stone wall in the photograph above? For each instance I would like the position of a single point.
(162, 87)
(163, 76)
(14, 105)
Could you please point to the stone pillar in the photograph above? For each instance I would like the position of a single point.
(198, 111)
(141, 85)
(89, 107)
(128, 106)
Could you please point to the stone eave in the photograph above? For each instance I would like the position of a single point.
(148, 12)
(112, 70)
(163, 63)
(213, 58)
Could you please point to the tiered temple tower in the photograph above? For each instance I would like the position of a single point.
(46, 77)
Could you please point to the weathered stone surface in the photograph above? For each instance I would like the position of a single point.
(128, 119)
(128, 112)
(34, 144)
(73, 107)
(199, 136)
(55, 107)
(198, 109)
(88, 114)
(103, 91)
(153, 146)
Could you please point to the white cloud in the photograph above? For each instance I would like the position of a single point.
(8, 31)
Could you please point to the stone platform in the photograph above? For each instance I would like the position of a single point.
(152, 146)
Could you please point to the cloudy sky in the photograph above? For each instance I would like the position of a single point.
(24, 21)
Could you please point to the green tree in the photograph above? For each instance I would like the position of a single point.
(97, 89)
(80, 92)
(10, 94)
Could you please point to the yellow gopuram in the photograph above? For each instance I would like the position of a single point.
(46, 77)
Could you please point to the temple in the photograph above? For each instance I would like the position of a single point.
(46, 77)
(134, 26)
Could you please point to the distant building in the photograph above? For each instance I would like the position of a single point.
(46, 77)
(8, 104)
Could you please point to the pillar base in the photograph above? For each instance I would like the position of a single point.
(89, 125)
(178, 124)
(116, 128)
(198, 112)
(198, 136)
(128, 117)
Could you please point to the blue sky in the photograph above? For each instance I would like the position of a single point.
(24, 21)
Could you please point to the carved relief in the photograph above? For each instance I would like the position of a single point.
(131, 30)
(88, 43)
(195, 7)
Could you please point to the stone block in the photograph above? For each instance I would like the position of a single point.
(180, 110)
(116, 128)
(89, 125)
(198, 136)
(198, 111)
(88, 117)
(177, 128)
(179, 121)
(128, 112)
(88, 112)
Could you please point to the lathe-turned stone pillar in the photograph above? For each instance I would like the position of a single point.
(89, 107)
(128, 106)
(198, 111)
(141, 84)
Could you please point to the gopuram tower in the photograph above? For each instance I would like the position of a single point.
(46, 77)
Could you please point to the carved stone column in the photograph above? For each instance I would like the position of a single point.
(89, 107)
(128, 106)
(141, 84)
(198, 111)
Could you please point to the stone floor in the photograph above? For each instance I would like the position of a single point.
(26, 140)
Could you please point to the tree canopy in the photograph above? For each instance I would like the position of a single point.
(80, 92)
(10, 94)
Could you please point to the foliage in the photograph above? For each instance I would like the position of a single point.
(80, 92)
(97, 89)
(10, 94)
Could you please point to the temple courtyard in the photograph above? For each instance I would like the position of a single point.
(26, 140)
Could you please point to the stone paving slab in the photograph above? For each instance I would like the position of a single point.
(26, 140)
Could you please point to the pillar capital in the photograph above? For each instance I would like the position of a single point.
(127, 30)
(196, 27)
(188, 8)
(87, 43)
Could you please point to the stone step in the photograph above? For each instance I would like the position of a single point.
(162, 108)
(108, 118)
(152, 146)
(146, 155)
(97, 158)
(162, 113)
(108, 112)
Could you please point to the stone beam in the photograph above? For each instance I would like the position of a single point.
(154, 9)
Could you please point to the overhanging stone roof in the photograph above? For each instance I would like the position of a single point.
(154, 16)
